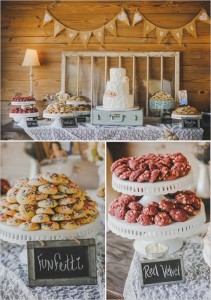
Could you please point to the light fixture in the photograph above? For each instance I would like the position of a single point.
(31, 60)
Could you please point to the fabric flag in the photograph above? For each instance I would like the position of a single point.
(111, 26)
(122, 17)
(47, 18)
(137, 17)
(161, 33)
(148, 27)
(85, 37)
(203, 16)
(58, 27)
(191, 28)
(99, 34)
(177, 34)
(71, 35)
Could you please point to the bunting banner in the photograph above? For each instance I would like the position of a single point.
(122, 16)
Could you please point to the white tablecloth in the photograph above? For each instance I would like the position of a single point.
(89, 132)
(195, 287)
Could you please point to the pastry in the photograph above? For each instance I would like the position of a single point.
(29, 226)
(41, 218)
(61, 217)
(179, 215)
(47, 203)
(69, 225)
(162, 96)
(50, 226)
(186, 110)
(162, 219)
(49, 189)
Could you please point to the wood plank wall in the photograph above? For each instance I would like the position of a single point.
(22, 28)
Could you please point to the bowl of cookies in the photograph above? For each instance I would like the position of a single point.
(160, 103)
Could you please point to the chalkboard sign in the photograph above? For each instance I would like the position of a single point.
(162, 271)
(32, 122)
(166, 120)
(190, 123)
(81, 119)
(69, 122)
(62, 263)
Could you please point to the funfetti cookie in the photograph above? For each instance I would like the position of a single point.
(37, 181)
(14, 206)
(13, 221)
(3, 217)
(50, 226)
(41, 218)
(65, 179)
(64, 209)
(69, 225)
(29, 226)
(78, 214)
(12, 194)
(40, 196)
(7, 211)
(26, 195)
(20, 183)
(78, 204)
(67, 189)
(67, 201)
(59, 196)
(53, 178)
(86, 220)
(27, 210)
(19, 216)
(48, 203)
(61, 217)
(43, 210)
(49, 189)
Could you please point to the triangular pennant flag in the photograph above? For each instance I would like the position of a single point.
(191, 28)
(85, 37)
(47, 18)
(122, 17)
(137, 17)
(161, 33)
(203, 16)
(71, 34)
(148, 27)
(111, 26)
(58, 27)
(99, 34)
(177, 34)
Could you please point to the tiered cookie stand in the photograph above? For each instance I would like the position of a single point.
(14, 235)
(170, 235)
(56, 118)
(80, 113)
(22, 117)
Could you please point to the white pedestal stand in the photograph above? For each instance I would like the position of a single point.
(14, 235)
(172, 234)
(56, 118)
(21, 118)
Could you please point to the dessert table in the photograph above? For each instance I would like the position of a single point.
(90, 132)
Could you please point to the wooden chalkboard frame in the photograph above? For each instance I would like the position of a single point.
(90, 280)
(164, 282)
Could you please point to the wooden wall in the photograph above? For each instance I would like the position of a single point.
(22, 28)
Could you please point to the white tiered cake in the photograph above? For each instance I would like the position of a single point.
(117, 94)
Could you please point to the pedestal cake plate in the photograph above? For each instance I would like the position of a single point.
(170, 235)
(14, 235)
(56, 118)
(21, 118)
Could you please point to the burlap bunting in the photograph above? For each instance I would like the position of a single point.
(47, 18)
(177, 34)
(203, 17)
(99, 34)
(111, 27)
(122, 17)
(148, 27)
(71, 35)
(58, 27)
(137, 17)
(85, 37)
(161, 33)
(191, 28)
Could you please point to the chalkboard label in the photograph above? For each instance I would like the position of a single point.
(69, 122)
(62, 263)
(81, 119)
(190, 123)
(166, 120)
(162, 271)
(32, 122)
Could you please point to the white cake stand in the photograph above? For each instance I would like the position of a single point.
(170, 235)
(12, 234)
(118, 109)
(76, 103)
(21, 118)
(57, 118)
(23, 103)
(180, 117)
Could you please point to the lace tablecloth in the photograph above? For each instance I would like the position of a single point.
(14, 279)
(195, 287)
(89, 132)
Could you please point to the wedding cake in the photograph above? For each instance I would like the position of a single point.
(117, 94)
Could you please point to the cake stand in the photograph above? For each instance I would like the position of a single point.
(57, 118)
(180, 117)
(21, 118)
(12, 234)
(170, 235)
(76, 103)
(118, 109)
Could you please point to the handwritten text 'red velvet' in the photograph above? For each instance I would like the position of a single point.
(57, 263)
(167, 271)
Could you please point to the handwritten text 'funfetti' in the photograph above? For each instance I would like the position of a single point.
(166, 270)
(58, 264)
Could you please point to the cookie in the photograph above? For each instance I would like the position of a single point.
(50, 226)
(12, 194)
(4, 202)
(14, 206)
(90, 210)
(166, 205)
(196, 202)
(19, 216)
(188, 208)
(67, 189)
(179, 215)
(13, 221)
(27, 209)
(78, 204)
(29, 226)
(152, 203)
(41, 218)
(37, 181)
(183, 198)
(145, 220)
(7, 211)
(86, 220)
(66, 201)
(20, 183)
(26, 195)
(69, 225)
(120, 212)
(3, 217)
(59, 196)
(40, 196)
(49, 189)
(150, 210)
(126, 199)
(61, 217)
(162, 219)
(136, 206)
(64, 209)
(53, 178)
(131, 216)
(47, 203)
(78, 214)
(43, 210)
(65, 179)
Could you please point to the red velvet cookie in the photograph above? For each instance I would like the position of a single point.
(154, 175)
(162, 219)
(196, 201)
(113, 206)
(131, 216)
(188, 208)
(179, 215)
(126, 199)
(150, 210)
(120, 212)
(152, 203)
(166, 205)
(119, 162)
(145, 220)
(183, 198)
(136, 206)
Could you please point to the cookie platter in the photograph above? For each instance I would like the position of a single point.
(180, 117)
(56, 118)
